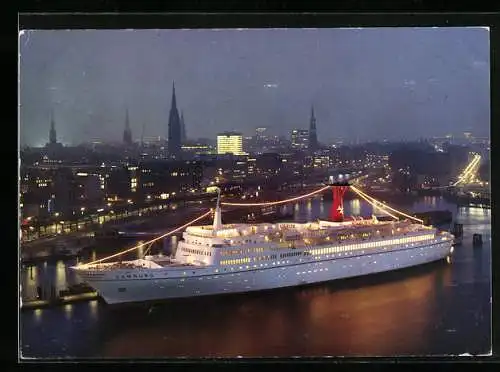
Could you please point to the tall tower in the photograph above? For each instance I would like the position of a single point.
(142, 134)
(183, 128)
(313, 138)
(127, 133)
(52, 133)
(174, 129)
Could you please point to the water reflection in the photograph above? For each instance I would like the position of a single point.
(68, 310)
(477, 211)
(406, 312)
(60, 282)
(30, 275)
(329, 319)
(430, 201)
(93, 305)
(37, 315)
(355, 207)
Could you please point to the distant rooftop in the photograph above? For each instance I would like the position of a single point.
(230, 133)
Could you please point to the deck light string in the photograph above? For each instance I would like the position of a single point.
(150, 241)
(366, 197)
(375, 205)
(383, 206)
(277, 202)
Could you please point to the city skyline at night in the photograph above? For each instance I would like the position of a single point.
(242, 193)
(364, 84)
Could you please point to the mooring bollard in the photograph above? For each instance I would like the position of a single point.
(477, 240)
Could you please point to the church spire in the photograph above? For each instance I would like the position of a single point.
(174, 99)
(174, 129)
(313, 138)
(183, 128)
(313, 119)
(127, 133)
(52, 133)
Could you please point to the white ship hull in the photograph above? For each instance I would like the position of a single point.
(207, 282)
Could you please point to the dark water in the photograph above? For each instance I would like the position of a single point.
(437, 309)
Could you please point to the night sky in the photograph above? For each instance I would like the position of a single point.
(365, 84)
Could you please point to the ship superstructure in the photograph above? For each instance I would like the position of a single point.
(218, 258)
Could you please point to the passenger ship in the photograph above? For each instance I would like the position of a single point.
(234, 258)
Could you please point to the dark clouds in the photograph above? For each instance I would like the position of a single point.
(365, 83)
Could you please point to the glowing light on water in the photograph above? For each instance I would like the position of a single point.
(355, 207)
(434, 201)
(68, 310)
(38, 315)
(93, 308)
(430, 200)
(60, 275)
(309, 209)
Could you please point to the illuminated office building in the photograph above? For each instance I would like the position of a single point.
(230, 143)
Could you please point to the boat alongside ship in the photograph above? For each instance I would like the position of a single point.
(241, 257)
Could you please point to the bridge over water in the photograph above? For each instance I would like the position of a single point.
(468, 189)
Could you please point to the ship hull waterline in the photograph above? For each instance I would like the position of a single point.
(119, 291)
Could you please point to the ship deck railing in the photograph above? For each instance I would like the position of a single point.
(108, 266)
(320, 241)
(176, 264)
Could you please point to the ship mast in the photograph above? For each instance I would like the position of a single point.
(218, 214)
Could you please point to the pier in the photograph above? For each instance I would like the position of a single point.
(47, 297)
